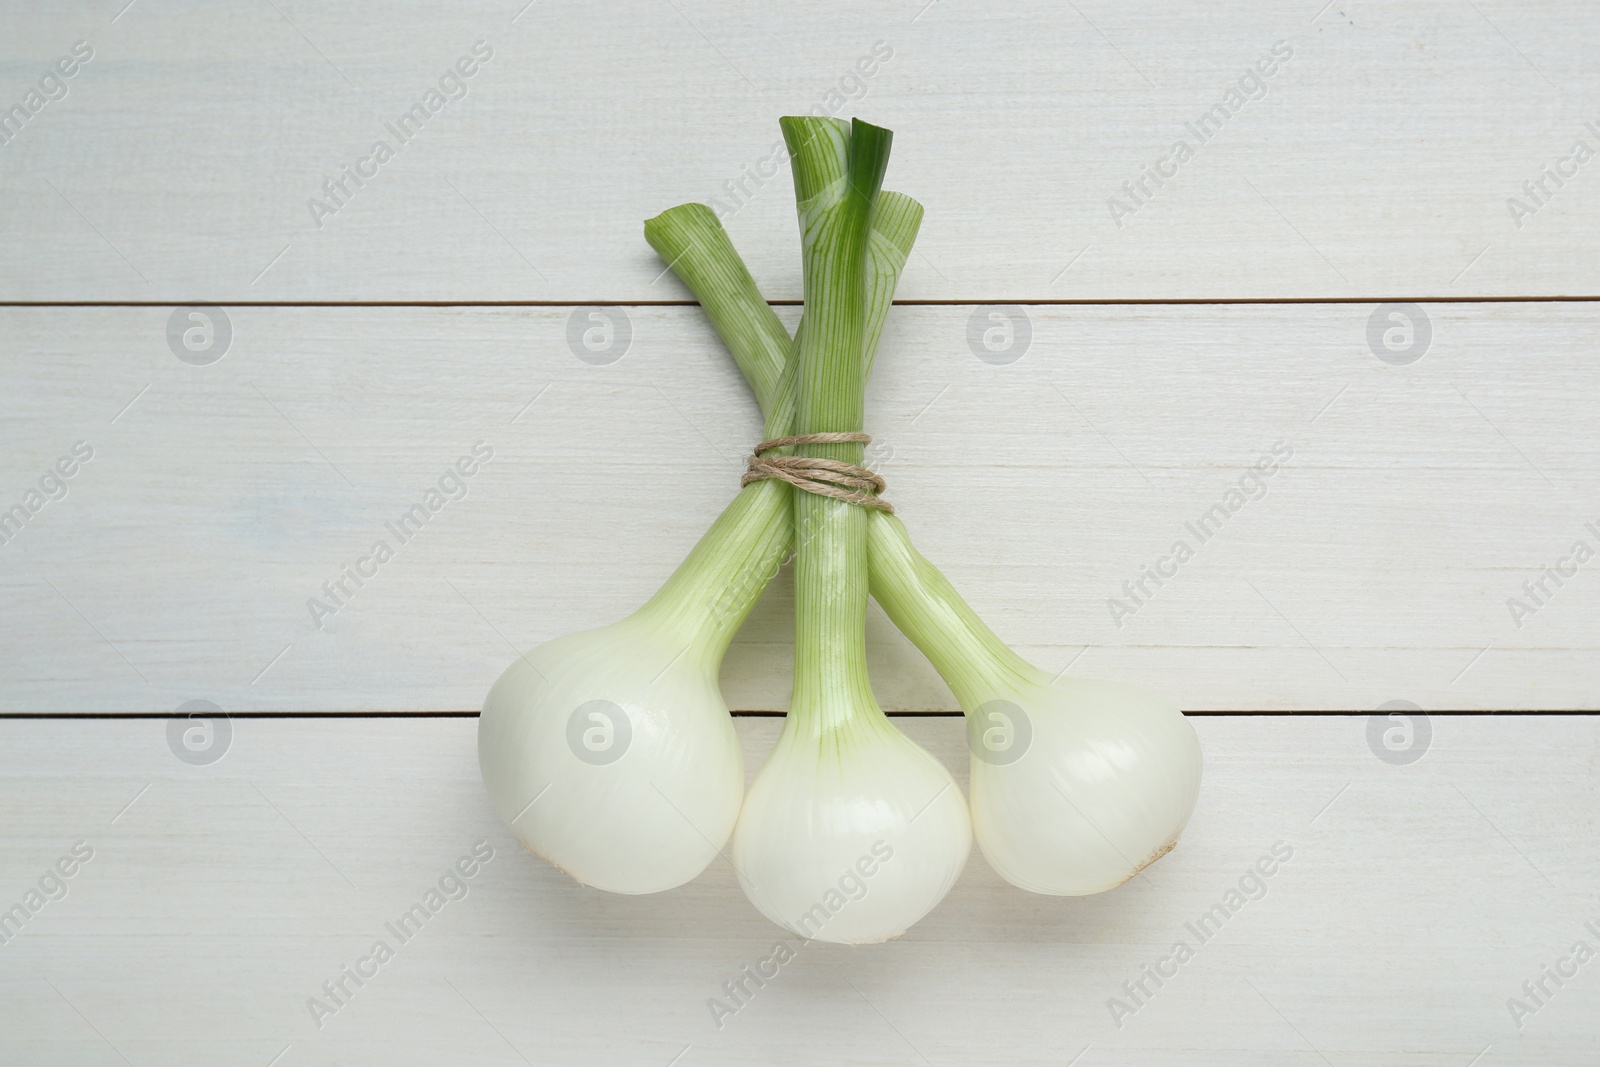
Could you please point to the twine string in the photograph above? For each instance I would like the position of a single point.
(826, 477)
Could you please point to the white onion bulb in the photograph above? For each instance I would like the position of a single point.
(1078, 786)
(611, 754)
(850, 834)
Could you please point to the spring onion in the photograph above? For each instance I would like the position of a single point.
(611, 753)
(841, 778)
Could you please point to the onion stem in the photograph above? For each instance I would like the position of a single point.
(837, 176)
(706, 598)
(918, 598)
(736, 557)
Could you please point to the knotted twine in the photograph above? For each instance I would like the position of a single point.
(825, 477)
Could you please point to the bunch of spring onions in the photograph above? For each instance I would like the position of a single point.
(611, 754)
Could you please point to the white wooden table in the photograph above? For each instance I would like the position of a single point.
(1380, 261)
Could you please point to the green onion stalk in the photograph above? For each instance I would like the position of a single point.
(843, 792)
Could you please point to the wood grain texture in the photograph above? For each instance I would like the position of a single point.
(1377, 565)
(221, 898)
(182, 162)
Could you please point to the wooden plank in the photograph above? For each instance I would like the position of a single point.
(1381, 160)
(1377, 566)
(220, 898)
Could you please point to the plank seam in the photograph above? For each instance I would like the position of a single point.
(953, 302)
(1230, 713)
